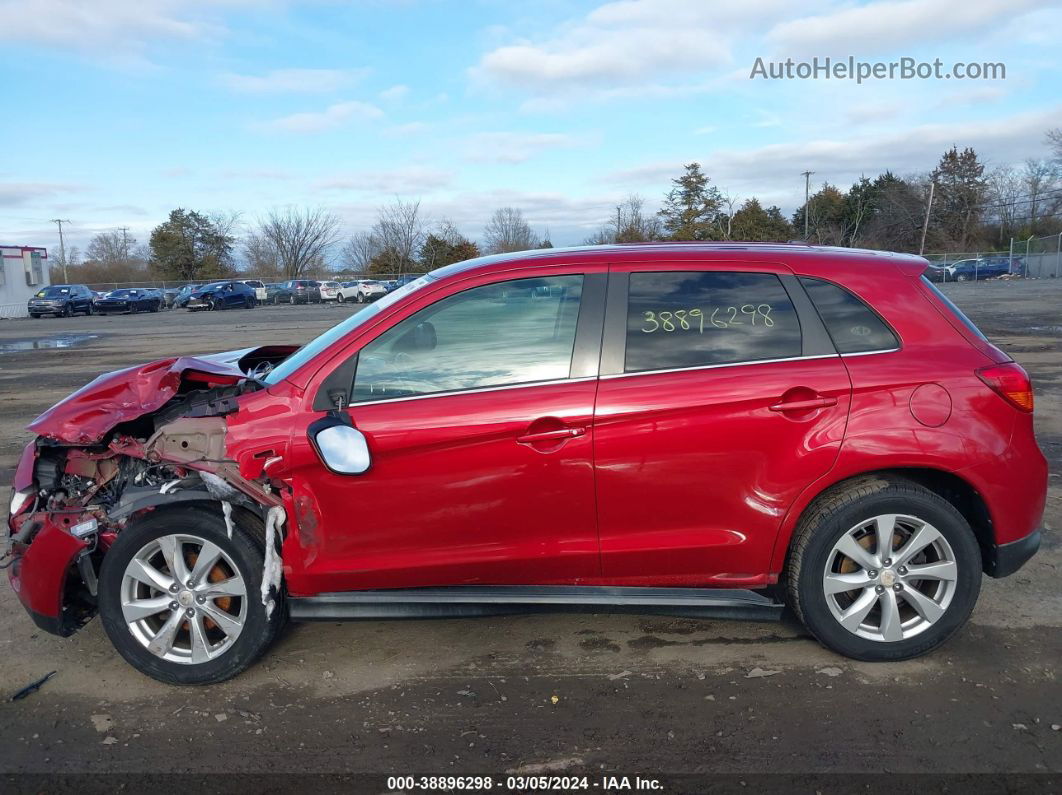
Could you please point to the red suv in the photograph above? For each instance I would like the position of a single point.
(706, 430)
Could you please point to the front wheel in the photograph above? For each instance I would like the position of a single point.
(883, 569)
(180, 599)
(340, 299)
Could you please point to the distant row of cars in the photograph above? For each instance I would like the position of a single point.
(312, 291)
(64, 300)
(976, 269)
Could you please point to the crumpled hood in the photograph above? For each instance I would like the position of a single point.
(87, 415)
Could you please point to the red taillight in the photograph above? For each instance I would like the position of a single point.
(1011, 382)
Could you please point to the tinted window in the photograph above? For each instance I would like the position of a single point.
(513, 332)
(954, 309)
(692, 319)
(853, 326)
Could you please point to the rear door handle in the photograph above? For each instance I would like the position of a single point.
(804, 405)
(547, 436)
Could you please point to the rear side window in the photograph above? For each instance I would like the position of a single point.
(954, 309)
(679, 319)
(853, 326)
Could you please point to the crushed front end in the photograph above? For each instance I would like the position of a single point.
(131, 442)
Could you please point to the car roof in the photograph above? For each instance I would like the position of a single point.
(791, 253)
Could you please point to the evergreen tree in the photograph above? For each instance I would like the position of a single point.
(692, 206)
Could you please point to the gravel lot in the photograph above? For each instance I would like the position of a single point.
(565, 693)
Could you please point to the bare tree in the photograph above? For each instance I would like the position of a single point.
(629, 224)
(508, 231)
(399, 232)
(1040, 182)
(301, 238)
(260, 255)
(360, 251)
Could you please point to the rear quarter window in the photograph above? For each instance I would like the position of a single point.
(679, 319)
(853, 326)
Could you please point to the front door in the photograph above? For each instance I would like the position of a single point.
(714, 412)
(478, 414)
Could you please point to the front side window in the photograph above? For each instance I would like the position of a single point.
(679, 319)
(514, 332)
(853, 326)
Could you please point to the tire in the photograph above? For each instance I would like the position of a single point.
(35, 316)
(241, 562)
(66, 311)
(962, 277)
(340, 299)
(291, 299)
(155, 307)
(215, 305)
(88, 311)
(850, 510)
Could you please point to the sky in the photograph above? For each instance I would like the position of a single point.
(117, 111)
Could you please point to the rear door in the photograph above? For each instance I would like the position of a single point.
(721, 398)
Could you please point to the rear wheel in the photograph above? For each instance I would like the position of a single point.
(88, 310)
(291, 299)
(179, 598)
(883, 569)
(340, 299)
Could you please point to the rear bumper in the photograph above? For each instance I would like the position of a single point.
(1002, 560)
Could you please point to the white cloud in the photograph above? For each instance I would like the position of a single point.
(394, 93)
(321, 121)
(108, 27)
(513, 147)
(623, 43)
(772, 172)
(410, 180)
(14, 194)
(888, 25)
(291, 81)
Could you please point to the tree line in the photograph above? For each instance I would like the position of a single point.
(970, 207)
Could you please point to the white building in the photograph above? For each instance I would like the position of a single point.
(24, 272)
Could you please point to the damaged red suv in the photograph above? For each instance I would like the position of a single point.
(705, 430)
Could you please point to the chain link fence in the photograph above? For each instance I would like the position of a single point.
(1031, 258)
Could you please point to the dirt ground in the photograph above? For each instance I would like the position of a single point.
(585, 694)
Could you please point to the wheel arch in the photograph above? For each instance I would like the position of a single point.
(960, 493)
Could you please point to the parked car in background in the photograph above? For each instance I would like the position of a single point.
(716, 435)
(301, 291)
(128, 299)
(180, 301)
(61, 300)
(259, 288)
(222, 295)
(329, 290)
(968, 270)
(277, 293)
(939, 273)
(169, 296)
(362, 291)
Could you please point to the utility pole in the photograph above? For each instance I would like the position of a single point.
(925, 223)
(125, 242)
(807, 199)
(62, 246)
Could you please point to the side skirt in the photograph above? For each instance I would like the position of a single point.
(492, 600)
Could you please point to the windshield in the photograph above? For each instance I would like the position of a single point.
(53, 292)
(121, 293)
(337, 332)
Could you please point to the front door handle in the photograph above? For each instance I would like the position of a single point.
(550, 436)
(804, 405)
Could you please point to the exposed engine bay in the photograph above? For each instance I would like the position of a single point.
(79, 484)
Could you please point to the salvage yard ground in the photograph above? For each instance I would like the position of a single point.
(576, 693)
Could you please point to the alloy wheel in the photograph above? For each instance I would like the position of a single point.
(890, 578)
(183, 599)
